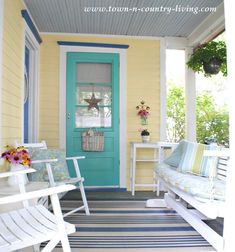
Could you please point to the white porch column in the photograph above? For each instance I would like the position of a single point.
(190, 99)
(163, 95)
(229, 222)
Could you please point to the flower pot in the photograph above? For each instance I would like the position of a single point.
(213, 66)
(145, 139)
(14, 180)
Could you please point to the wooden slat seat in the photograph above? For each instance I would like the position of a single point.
(28, 226)
(32, 225)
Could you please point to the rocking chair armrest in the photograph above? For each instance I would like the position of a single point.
(36, 194)
(75, 158)
(11, 173)
(45, 161)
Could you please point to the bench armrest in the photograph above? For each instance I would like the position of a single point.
(44, 161)
(36, 194)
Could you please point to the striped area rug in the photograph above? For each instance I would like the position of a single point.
(123, 226)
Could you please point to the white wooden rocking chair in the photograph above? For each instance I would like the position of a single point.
(77, 181)
(32, 225)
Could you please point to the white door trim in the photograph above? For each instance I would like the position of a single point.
(33, 46)
(122, 101)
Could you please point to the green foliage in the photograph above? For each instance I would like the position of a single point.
(145, 132)
(212, 122)
(175, 114)
(207, 52)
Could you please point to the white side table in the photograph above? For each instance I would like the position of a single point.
(5, 190)
(158, 156)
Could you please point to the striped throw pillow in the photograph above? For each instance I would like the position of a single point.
(206, 165)
(192, 159)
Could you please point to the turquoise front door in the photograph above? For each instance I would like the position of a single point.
(92, 104)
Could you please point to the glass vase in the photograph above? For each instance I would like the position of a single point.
(14, 180)
(144, 121)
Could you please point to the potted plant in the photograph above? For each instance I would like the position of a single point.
(145, 135)
(209, 58)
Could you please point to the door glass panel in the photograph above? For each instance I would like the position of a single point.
(93, 80)
(93, 118)
(103, 92)
(94, 72)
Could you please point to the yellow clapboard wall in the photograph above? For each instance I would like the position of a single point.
(12, 72)
(143, 83)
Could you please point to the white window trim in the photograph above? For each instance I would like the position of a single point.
(1, 48)
(122, 101)
(33, 46)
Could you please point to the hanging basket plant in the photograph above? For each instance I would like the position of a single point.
(209, 58)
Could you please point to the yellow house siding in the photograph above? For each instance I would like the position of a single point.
(143, 75)
(12, 72)
(49, 93)
(143, 83)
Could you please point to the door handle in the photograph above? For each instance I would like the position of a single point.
(68, 115)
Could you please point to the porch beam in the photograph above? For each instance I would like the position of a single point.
(190, 99)
(211, 26)
(176, 43)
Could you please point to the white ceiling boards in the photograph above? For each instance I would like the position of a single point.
(158, 18)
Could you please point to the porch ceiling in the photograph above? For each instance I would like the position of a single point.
(68, 16)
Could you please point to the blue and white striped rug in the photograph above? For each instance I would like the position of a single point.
(129, 226)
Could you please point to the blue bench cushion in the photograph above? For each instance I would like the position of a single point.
(192, 184)
(59, 168)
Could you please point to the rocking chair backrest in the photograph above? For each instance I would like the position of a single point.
(40, 145)
(58, 173)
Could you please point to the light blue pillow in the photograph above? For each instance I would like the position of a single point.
(175, 157)
(205, 167)
(59, 168)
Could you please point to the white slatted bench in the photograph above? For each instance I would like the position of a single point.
(32, 225)
(204, 207)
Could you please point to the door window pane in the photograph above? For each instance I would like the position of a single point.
(101, 92)
(93, 118)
